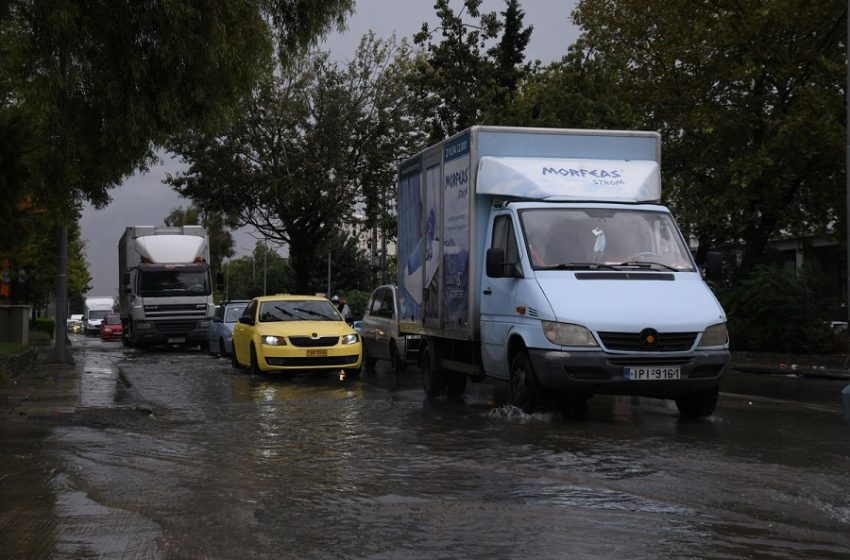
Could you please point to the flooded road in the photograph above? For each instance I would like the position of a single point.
(175, 454)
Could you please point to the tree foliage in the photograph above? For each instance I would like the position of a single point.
(244, 277)
(471, 75)
(97, 85)
(749, 99)
(314, 143)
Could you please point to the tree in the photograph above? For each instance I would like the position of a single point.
(749, 99)
(350, 265)
(315, 143)
(468, 77)
(244, 277)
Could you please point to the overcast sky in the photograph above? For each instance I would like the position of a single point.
(144, 200)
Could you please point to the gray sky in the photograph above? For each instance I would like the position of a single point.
(144, 200)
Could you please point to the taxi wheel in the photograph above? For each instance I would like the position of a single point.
(255, 363)
(234, 361)
(525, 390)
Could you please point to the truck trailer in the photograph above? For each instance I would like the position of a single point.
(544, 258)
(165, 285)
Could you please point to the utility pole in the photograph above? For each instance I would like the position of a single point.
(61, 354)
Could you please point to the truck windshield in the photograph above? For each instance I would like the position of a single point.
(171, 282)
(575, 238)
(95, 314)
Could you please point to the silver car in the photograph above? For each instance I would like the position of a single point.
(220, 331)
(379, 331)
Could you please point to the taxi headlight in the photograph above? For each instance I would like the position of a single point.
(350, 338)
(566, 334)
(270, 340)
(715, 335)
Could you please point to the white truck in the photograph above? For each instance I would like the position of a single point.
(96, 308)
(165, 285)
(544, 258)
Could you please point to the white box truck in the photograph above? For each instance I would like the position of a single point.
(95, 309)
(543, 257)
(165, 285)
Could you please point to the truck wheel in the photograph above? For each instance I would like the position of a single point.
(525, 389)
(433, 379)
(697, 405)
(255, 363)
(396, 361)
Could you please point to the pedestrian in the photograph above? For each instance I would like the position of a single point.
(342, 307)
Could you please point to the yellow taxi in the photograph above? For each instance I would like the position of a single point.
(295, 333)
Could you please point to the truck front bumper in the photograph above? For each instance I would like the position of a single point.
(169, 333)
(597, 372)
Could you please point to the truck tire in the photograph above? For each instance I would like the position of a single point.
(433, 379)
(697, 405)
(455, 385)
(369, 361)
(525, 389)
(396, 360)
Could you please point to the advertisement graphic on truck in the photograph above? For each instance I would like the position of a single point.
(166, 289)
(544, 257)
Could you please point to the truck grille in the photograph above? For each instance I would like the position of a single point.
(631, 342)
(308, 342)
(198, 310)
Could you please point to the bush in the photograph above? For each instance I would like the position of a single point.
(779, 310)
(357, 301)
(43, 325)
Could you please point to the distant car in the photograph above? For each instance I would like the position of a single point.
(221, 328)
(111, 328)
(379, 329)
(74, 323)
(287, 333)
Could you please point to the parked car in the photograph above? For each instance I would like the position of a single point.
(111, 328)
(221, 329)
(292, 333)
(74, 323)
(379, 329)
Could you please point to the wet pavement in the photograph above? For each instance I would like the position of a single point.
(174, 454)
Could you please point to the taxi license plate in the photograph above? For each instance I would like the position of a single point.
(652, 373)
(176, 340)
(315, 353)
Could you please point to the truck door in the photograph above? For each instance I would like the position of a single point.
(498, 299)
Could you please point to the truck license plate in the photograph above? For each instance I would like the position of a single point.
(652, 373)
(314, 353)
(176, 340)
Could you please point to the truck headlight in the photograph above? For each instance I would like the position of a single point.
(143, 325)
(566, 334)
(350, 339)
(715, 335)
(203, 324)
(270, 340)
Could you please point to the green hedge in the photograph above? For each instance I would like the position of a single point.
(43, 325)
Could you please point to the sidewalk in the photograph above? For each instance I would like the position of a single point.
(46, 390)
(826, 366)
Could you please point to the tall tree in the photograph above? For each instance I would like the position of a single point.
(315, 142)
(749, 98)
(469, 76)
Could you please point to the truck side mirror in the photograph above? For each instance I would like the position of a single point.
(713, 265)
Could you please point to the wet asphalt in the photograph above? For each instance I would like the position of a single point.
(174, 454)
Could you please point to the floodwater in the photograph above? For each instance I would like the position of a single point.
(174, 454)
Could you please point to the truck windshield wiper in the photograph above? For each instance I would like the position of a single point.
(577, 266)
(648, 264)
